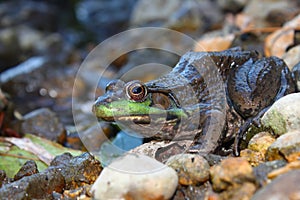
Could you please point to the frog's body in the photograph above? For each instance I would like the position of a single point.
(209, 97)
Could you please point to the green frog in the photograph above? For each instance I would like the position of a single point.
(209, 98)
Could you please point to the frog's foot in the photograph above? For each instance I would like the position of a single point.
(251, 121)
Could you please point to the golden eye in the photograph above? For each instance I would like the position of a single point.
(136, 91)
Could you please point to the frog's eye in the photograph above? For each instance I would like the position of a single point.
(136, 91)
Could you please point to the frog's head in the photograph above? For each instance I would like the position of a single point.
(137, 102)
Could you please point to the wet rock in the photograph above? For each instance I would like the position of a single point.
(175, 14)
(292, 57)
(284, 115)
(37, 186)
(231, 172)
(105, 17)
(263, 169)
(296, 71)
(135, 176)
(190, 168)
(77, 171)
(29, 168)
(286, 146)
(283, 187)
(44, 123)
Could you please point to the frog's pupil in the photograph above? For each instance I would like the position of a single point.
(137, 90)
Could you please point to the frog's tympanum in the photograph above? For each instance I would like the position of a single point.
(209, 98)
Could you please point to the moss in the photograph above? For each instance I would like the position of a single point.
(275, 121)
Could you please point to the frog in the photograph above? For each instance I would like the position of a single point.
(209, 98)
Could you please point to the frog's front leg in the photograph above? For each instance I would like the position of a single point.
(212, 124)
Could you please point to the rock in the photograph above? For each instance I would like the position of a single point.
(288, 167)
(27, 169)
(257, 147)
(232, 5)
(104, 18)
(296, 71)
(193, 191)
(190, 168)
(284, 187)
(162, 150)
(261, 11)
(135, 177)
(2, 177)
(175, 14)
(263, 169)
(260, 142)
(244, 191)
(286, 146)
(284, 115)
(253, 157)
(77, 171)
(292, 57)
(36, 186)
(44, 123)
(231, 172)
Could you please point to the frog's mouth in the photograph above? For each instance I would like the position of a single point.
(142, 118)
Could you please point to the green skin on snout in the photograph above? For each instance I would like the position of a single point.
(123, 108)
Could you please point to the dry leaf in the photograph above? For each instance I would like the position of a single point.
(217, 43)
(277, 43)
(28, 145)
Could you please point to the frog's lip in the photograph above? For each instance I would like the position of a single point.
(139, 119)
(135, 118)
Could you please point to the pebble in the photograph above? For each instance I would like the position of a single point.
(260, 11)
(286, 146)
(231, 172)
(27, 169)
(175, 14)
(44, 123)
(190, 168)
(284, 187)
(36, 186)
(262, 171)
(135, 177)
(257, 148)
(292, 57)
(284, 115)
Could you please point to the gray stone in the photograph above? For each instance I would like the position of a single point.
(292, 57)
(44, 123)
(191, 168)
(135, 177)
(284, 115)
(176, 14)
(284, 187)
(287, 147)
